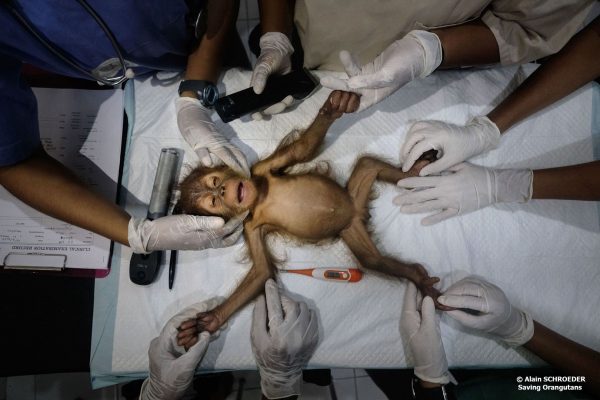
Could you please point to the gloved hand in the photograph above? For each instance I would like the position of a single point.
(275, 58)
(198, 130)
(453, 143)
(171, 368)
(465, 189)
(422, 328)
(284, 336)
(416, 55)
(495, 313)
(183, 232)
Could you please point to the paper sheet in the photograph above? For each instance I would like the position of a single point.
(82, 129)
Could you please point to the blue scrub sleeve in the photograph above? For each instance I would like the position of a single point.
(19, 130)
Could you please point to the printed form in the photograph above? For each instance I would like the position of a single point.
(82, 129)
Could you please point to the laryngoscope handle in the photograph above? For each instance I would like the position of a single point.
(163, 183)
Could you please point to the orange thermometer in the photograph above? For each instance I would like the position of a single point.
(330, 274)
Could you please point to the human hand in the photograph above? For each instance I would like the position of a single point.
(494, 313)
(453, 143)
(198, 130)
(183, 232)
(416, 55)
(465, 189)
(284, 335)
(422, 328)
(275, 58)
(171, 368)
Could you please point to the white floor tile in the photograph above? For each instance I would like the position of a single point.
(367, 390)
(252, 7)
(345, 389)
(254, 394)
(360, 372)
(2, 388)
(70, 386)
(342, 373)
(310, 391)
(20, 387)
(243, 11)
(252, 379)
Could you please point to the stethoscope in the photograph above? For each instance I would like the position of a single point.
(112, 81)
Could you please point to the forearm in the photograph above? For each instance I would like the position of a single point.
(254, 281)
(276, 16)
(576, 182)
(204, 63)
(573, 67)
(469, 44)
(566, 355)
(48, 186)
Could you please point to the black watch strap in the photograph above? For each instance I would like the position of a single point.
(205, 91)
(444, 392)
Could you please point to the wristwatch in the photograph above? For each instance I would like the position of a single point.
(443, 392)
(206, 91)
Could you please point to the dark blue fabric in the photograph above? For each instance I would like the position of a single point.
(19, 134)
(150, 33)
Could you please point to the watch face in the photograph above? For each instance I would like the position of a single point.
(210, 95)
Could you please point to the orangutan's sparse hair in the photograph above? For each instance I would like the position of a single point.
(192, 187)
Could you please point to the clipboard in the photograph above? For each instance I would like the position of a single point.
(57, 263)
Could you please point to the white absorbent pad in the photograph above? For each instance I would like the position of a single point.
(544, 254)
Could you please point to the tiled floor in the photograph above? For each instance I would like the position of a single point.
(349, 384)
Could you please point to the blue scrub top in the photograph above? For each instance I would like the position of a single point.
(152, 35)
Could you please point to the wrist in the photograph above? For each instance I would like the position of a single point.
(189, 93)
(513, 185)
(135, 235)
(524, 331)
(280, 385)
(276, 40)
(422, 390)
(154, 390)
(432, 50)
(487, 132)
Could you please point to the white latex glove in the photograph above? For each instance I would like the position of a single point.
(494, 315)
(274, 109)
(454, 143)
(171, 368)
(465, 189)
(284, 336)
(275, 58)
(414, 56)
(421, 327)
(199, 131)
(183, 232)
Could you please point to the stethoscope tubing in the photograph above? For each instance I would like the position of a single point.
(112, 81)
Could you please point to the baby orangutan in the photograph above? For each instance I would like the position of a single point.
(309, 206)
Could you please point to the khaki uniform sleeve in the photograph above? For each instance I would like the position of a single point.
(530, 29)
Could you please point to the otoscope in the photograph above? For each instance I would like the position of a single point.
(143, 268)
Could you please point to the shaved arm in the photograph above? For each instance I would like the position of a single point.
(254, 282)
(306, 147)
